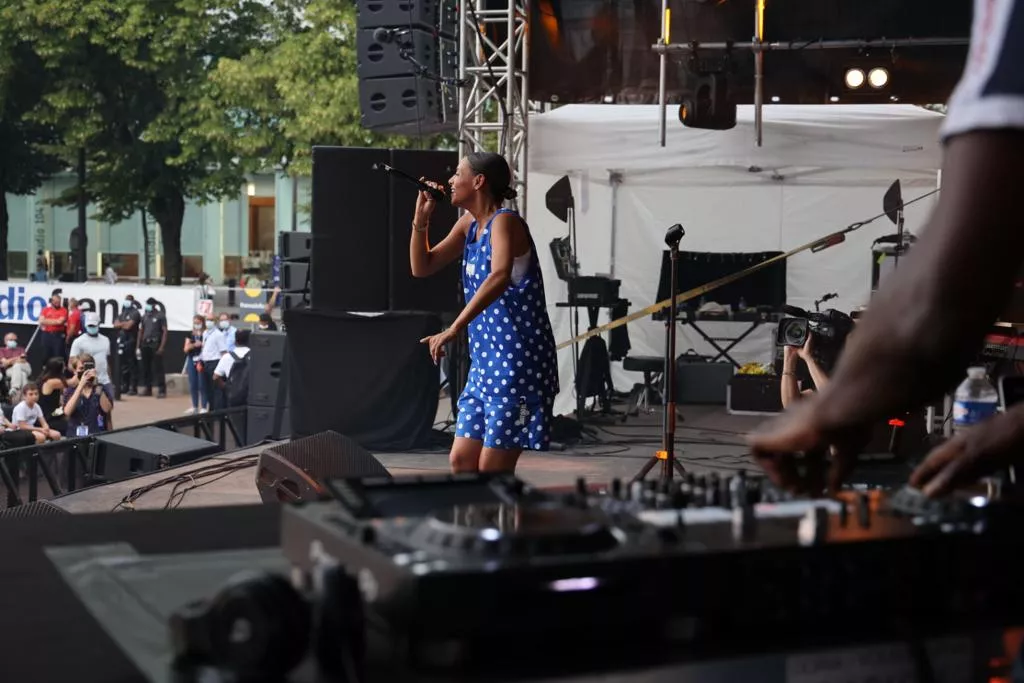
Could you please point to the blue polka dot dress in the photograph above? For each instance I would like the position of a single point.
(513, 375)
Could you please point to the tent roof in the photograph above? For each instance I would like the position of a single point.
(599, 138)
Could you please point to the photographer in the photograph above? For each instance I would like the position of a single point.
(790, 384)
(86, 406)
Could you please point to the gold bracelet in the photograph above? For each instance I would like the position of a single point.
(417, 229)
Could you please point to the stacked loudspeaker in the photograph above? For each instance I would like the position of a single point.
(362, 221)
(268, 389)
(407, 65)
(294, 248)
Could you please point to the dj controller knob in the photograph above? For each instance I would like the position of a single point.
(368, 535)
(680, 497)
(581, 487)
(636, 491)
(844, 513)
(616, 488)
(712, 494)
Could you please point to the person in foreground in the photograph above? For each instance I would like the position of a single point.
(930, 317)
(513, 379)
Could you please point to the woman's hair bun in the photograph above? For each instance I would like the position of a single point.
(510, 193)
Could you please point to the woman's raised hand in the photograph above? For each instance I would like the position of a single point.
(425, 204)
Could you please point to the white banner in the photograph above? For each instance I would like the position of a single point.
(22, 302)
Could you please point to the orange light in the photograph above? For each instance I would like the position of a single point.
(896, 422)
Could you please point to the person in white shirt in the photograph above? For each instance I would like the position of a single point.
(29, 416)
(215, 345)
(98, 346)
(222, 373)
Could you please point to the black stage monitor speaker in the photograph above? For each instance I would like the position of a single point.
(124, 454)
(265, 366)
(350, 230)
(297, 471)
(39, 508)
(439, 293)
(294, 276)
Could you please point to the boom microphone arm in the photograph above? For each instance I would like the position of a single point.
(438, 195)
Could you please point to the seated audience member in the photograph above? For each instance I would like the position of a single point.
(86, 406)
(267, 323)
(29, 416)
(222, 373)
(52, 385)
(15, 365)
(11, 436)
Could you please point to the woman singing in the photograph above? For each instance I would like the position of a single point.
(513, 379)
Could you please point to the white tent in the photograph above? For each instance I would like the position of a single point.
(819, 169)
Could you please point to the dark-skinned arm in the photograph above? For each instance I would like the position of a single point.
(929, 318)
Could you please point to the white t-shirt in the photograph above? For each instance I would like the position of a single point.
(990, 94)
(223, 368)
(22, 413)
(99, 348)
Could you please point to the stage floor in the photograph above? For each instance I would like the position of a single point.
(708, 440)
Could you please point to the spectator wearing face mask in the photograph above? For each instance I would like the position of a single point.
(152, 340)
(229, 330)
(97, 345)
(127, 325)
(15, 365)
(215, 345)
(194, 367)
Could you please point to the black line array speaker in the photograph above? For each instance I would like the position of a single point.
(355, 205)
(406, 50)
(294, 248)
(296, 471)
(266, 367)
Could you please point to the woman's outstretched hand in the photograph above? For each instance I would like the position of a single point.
(437, 342)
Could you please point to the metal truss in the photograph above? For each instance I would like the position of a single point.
(758, 46)
(493, 101)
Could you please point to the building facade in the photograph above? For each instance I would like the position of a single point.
(229, 238)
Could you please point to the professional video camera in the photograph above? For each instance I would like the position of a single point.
(829, 328)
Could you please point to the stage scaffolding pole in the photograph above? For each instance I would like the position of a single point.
(758, 70)
(663, 71)
(494, 102)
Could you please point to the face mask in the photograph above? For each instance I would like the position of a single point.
(149, 307)
(264, 327)
(12, 343)
(92, 330)
(126, 303)
(224, 324)
(209, 324)
(197, 327)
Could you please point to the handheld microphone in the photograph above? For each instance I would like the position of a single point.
(438, 195)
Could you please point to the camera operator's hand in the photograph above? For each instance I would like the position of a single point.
(967, 457)
(89, 376)
(807, 350)
(790, 354)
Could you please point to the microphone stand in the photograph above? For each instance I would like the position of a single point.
(899, 237)
(667, 455)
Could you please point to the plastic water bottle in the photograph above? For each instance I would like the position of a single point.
(975, 400)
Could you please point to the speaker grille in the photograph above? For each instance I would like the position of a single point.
(329, 454)
(40, 508)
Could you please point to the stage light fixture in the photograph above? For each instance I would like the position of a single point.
(711, 106)
(854, 78)
(878, 77)
(775, 98)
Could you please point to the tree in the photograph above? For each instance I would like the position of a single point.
(275, 103)
(126, 77)
(24, 163)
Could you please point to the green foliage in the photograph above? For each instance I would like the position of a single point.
(277, 103)
(126, 78)
(23, 165)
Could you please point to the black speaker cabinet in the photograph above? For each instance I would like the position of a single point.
(408, 104)
(259, 424)
(350, 230)
(120, 455)
(294, 276)
(397, 13)
(441, 292)
(362, 222)
(265, 366)
(297, 470)
(39, 508)
(294, 246)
